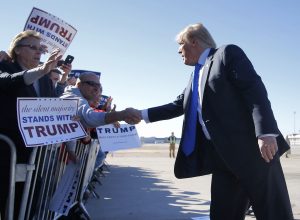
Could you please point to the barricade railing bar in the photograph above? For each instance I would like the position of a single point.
(9, 214)
(42, 175)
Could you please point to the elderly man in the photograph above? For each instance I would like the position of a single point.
(86, 89)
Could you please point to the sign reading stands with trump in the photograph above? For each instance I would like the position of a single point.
(112, 138)
(44, 121)
(55, 32)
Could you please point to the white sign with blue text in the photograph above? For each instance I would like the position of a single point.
(112, 138)
(44, 121)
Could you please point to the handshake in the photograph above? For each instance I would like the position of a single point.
(132, 116)
(129, 115)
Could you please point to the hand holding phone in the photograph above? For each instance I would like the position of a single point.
(69, 59)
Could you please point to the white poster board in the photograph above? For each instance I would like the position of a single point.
(45, 121)
(112, 139)
(64, 195)
(55, 32)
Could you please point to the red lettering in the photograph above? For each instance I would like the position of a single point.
(69, 38)
(35, 19)
(55, 25)
(44, 22)
(63, 32)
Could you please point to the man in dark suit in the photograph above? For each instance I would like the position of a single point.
(237, 139)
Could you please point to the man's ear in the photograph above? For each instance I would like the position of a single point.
(194, 43)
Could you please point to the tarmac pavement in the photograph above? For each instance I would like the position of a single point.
(140, 185)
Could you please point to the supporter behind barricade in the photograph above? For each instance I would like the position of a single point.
(59, 75)
(54, 75)
(21, 76)
(87, 90)
(106, 107)
(87, 87)
(71, 81)
(59, 78)
(92, 131)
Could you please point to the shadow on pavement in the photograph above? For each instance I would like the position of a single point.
(135, 193)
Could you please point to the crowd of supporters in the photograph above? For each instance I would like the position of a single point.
(23, 75)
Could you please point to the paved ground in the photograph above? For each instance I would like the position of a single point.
(140, 185)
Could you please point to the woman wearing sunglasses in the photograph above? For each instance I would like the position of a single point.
(21, 75)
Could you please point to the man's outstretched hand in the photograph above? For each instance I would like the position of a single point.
(132, 116)
(129, 115)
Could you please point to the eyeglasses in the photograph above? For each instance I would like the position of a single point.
(93, 84)
(33, 47)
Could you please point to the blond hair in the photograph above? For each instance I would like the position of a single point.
(196, 32)
(18, 39)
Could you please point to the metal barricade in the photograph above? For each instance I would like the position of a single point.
(45, 170)
(11, 195)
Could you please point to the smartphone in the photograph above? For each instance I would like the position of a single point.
(69, 59)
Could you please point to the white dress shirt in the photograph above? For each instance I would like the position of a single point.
(201, 85)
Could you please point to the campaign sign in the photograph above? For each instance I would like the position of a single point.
(103, 102)
(77, 73)
(45, 121)
(112, 138)
(65, 193)
(55, 32)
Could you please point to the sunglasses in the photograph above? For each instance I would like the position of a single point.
(92, 83)
(33, 47)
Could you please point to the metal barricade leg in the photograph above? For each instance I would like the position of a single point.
(11, 195)
(30, 169)
(42, 175)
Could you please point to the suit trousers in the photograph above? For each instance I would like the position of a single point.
(228, 199)
(231, 194)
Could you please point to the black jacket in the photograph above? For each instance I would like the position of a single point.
(235, 110)
(12, 86)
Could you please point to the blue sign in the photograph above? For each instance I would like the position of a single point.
(77, 73)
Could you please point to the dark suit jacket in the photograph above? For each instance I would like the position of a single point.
(235, 110)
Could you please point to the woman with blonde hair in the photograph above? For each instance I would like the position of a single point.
(21, 75)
